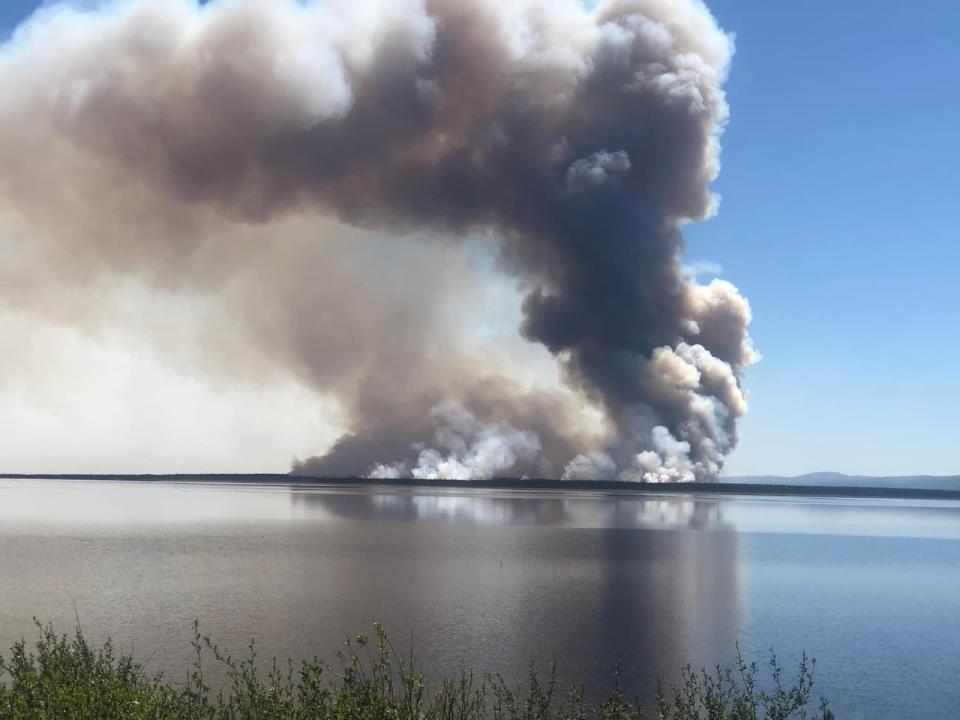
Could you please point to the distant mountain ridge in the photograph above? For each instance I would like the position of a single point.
(835, 479)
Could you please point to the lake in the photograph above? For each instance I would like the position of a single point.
(871, 588)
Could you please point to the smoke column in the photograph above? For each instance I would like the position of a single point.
(311, 175)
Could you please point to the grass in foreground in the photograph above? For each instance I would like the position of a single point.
(65, 678)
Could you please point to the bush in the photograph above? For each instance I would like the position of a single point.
(64, 678)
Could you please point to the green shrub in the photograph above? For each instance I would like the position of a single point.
(64, 678)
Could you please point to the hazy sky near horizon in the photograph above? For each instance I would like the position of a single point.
(839, 180)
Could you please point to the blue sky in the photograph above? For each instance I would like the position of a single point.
(838, 221)
(841, 164)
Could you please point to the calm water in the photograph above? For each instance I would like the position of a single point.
(870, 588)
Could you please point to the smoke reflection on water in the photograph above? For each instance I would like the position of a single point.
(581, 578)
(492, 579)
(483, 507)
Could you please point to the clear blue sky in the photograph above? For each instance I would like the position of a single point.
(841, 166)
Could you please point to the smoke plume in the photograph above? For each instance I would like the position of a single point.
(304, 188)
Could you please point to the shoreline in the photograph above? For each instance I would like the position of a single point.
(519, 484)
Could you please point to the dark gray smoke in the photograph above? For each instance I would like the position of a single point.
(177, 144)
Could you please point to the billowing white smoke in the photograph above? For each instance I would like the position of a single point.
(469, 450)
(689, 382)
(264, 158)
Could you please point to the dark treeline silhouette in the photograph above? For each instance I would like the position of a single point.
(886, 488)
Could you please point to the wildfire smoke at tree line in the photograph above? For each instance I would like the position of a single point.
(314, 175)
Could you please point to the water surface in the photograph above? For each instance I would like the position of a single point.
(495, 578)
